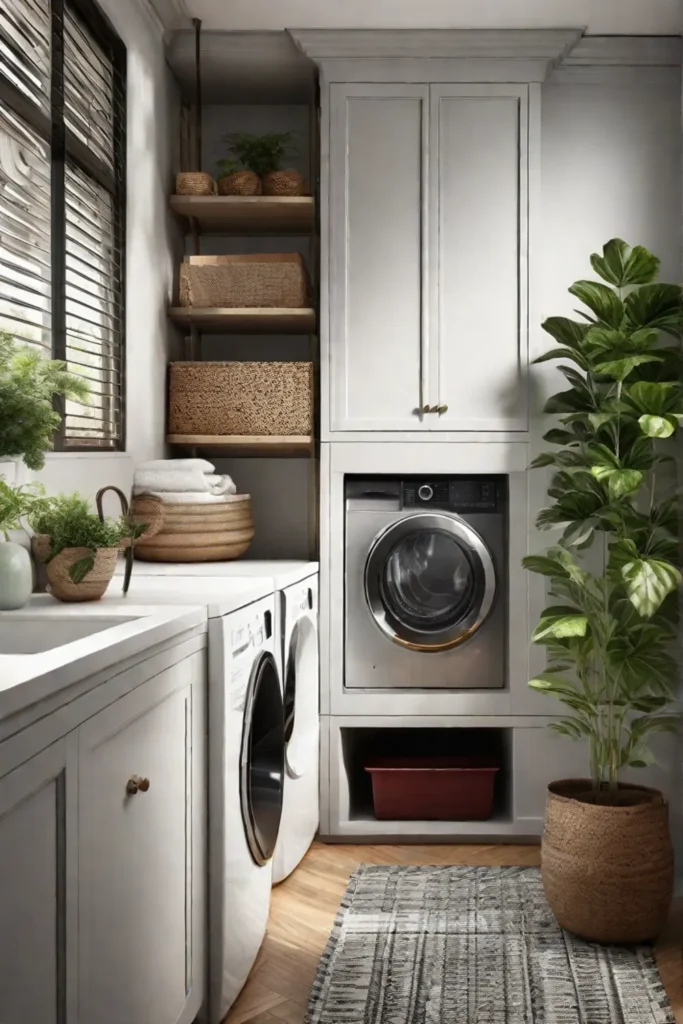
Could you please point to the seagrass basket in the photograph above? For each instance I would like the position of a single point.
(241, 183)
(608, 870)
(193, 532)
(266, 280)
(241, 398)
(61, 586)
(194, 183)
(284, 183)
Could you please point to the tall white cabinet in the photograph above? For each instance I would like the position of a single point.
(429, 187)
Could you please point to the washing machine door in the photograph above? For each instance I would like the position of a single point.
(301, 699)
(262, 759)
(430, 581)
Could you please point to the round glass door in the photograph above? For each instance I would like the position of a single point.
(262, 761)
(429, 581)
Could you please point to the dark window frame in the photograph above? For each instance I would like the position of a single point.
(66, 146)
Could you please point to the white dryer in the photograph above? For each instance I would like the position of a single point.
(301, 806)
(246, 783)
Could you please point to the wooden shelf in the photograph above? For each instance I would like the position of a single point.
(296, 445)
(248, 215)
(245, 321)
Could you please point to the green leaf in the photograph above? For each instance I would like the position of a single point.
(557, 436)
(561, 626)
(578, 534)
(544, 565)
(655, 305)
(621, 368)
(568, 333)
(648, 582)
(601, 300)
(653, 397)
(656, 426)
(544, 459)
(80, 569)
(620, 265)
(624, 481)
(563, 353)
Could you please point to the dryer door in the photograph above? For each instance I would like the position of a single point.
(301, 699)
(262, 759)
(430, 581)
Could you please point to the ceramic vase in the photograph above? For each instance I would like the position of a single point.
(16, 576)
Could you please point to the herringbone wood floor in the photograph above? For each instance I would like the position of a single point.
(304, 907)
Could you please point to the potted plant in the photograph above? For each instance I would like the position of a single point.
(260, 156)
(28, 384)
(16, 570)
(78, 548)
(606, 856)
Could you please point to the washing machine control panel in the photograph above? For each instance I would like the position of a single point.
(453, 494)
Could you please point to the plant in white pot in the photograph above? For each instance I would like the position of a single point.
(16, 569)
(607, 861)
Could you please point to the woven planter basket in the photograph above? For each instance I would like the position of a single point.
(193, 532)
(241, 398)
(95, 584)
(194, 183)
(284, 183)
(241, 183)
(262, 281)
(608, 871)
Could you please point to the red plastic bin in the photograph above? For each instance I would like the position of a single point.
(432, 788)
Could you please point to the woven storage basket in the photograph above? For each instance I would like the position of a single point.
(95, 584)
(262, 280)
(608, 871)
(241, 183)
(194, 532)
(194, 183)
(241, 398)
(284, 183)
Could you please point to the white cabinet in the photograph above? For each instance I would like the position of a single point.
(33, 892)
(427, 276)
(141, 857)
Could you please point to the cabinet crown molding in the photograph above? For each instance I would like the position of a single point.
(546, 45)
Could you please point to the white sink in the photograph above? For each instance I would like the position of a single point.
(32, 634)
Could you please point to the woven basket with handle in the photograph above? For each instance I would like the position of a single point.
(265, 280)
(61, 586)
(607, 870)
(194, 183)
(193, 532)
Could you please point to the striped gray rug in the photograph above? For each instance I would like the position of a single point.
(466, 945)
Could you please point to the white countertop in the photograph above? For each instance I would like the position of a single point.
(279, 572)
(155, 610)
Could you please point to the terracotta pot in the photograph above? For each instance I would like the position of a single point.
(194, 183)
(241, 183)
(61, 586)
(284, 183)
(607, 870)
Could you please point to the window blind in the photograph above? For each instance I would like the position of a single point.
(62, 201)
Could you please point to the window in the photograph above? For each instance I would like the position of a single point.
(62, 201)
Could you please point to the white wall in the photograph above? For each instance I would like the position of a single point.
(608, 17)
(152, 112)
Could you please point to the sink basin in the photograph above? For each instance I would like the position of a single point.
(34, 635)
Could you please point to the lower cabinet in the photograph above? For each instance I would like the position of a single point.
(140, 852)
(103, 864)
(33, 870)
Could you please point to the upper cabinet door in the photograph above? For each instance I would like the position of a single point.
(377, 236)
(478, 255)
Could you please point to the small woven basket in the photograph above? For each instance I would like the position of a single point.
(95, 584)
(608, 870)
(241, 398)
(193, 532)
(284, 183)
(241, 183)
(194, 183)
(274, 281)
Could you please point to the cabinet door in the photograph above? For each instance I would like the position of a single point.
(140, 930)
(478, 291)
(33, 892)
(378, 144)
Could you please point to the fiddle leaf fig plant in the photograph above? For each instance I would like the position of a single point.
(608, 634)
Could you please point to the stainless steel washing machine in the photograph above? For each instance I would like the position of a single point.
(426, 582)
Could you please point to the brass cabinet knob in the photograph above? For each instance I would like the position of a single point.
(137, 783)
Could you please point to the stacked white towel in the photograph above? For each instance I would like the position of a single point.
(183, 480)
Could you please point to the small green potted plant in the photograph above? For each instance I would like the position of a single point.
(607, 860)
(16, 570)
(78, 548)
(254, 166)
(28, 384)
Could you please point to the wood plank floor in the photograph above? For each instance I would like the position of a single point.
(304, 907)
